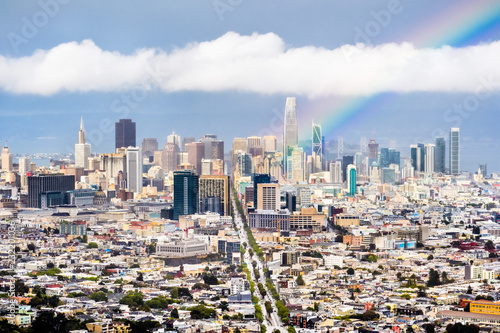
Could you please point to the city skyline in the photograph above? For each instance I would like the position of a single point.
(384, 109)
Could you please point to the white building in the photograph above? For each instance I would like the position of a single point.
(134, 169)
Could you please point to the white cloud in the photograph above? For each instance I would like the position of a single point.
(256, 63)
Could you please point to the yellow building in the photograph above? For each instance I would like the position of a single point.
(486, 307)
(345, 220)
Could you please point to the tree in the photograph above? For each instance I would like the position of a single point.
(152, 248)
(461, 328)
(31, 247)
(201, 312)
(300, 280)
(350, 271)
(174, 293)
(140, 277)
(210, 279)
(433, 278)
(92, 245)
(429, 328)
(469, 290)
(133, 299)
(489, 246)
(430, 257)
(50, 265)
(174, 313)
(48, 322)
(224, 306)
(99, 296)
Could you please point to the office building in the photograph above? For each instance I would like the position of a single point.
(196, 152)
(291, 130)
(176, 140)
(214, 149)
(346, 160)
(372, 152)
(259, 178)
(296, 165)
(125, 133)
(483, 168)
(134, 169)
(268, 196)
(440, 155)
(245, 164)
(239, 146)
(270, 143)
(186, 185)
(149, 146)
(388, 176)
(454, 153)
(37, 185)
(24, 165)
(317, 140)
(291, 201)
(307, 219)
(351, 179)
(82, 149)
(187, 140)
(268, 220)
(114, 164)
(168, 158)
(6, 159)
(429, 150)
(214, 194)
(336, 172)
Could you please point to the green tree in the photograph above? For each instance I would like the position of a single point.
(434, 279)
(224, 306)
(174, 313)
(92, 245)
(99, 296)
(350, 271)
(133, 299)
(469, 290)
(300, 280)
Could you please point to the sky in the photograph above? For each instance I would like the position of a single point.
(398, 71)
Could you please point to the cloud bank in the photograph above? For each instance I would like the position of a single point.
(260, 63)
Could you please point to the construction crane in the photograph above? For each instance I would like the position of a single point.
(278, 221)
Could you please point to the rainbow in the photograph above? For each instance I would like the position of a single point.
(465, 23)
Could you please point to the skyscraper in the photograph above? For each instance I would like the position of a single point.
(439, 155)
(239, 146)
(47, 183)
(125, 133)
(351, 179)
(134, 169)
(416, 157)
(169, 157)
(429, 158)
(82, 149)
(6, 159)
(270, 143)
(245, 164)
(372, 151)
(149, 146)
(214, 194)
(336, 172)
(346, 160)
(175, 139)
(185, 193)
(291, 131)
(259, 178)
(455, 151)
(268, 196)
(24, 165)
(317, 139)
(196, 152)
(187, 140)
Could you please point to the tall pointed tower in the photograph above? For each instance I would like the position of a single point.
(82, 149)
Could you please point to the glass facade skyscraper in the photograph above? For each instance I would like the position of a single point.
(317, 139)
(439, 153)
(125, 133)
(455, 151)
(290, 134)
(185, 193)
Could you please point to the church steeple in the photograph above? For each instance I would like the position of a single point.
(81, 133)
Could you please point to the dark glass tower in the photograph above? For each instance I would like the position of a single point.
(48, 183)
(259, 178)
(125, 133)
(185, 193)
(439, 153)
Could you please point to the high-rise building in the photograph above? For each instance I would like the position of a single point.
(259, 178)
(134, 169)
(176, 140)
(214, 194)
(351, 179)
(484, 169)
(291, 130)
(24, 165)
(388, 176)
(291, 201)
(196, 152)
(214, 149)
(346, 160)
(372, 152)
(169, 157)
(270, 143)
(37, 185)
(253, 141)
(187, 140)
(186, 184)
(149, 146)
(268, 196)
(416, 157)
(82, 149)
(6, 159)
(297, 163)
(429, 150)
(125, 133)
(439, 155)
(239, 146)
(336, 172)
(245, 164)
(114, 164)
(455, 151)
(317, 139)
